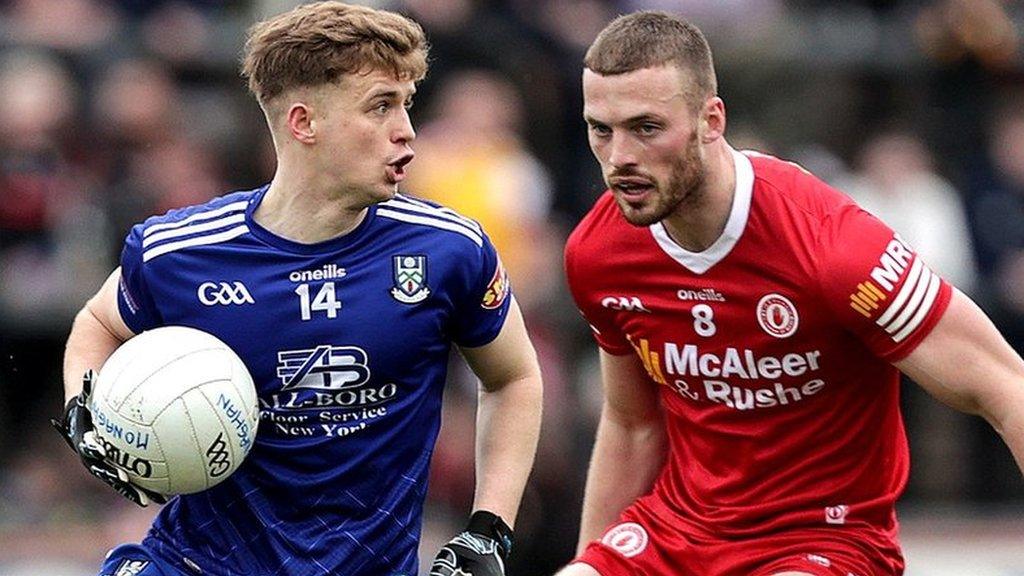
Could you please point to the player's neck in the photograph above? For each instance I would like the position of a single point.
(301, 213)
(701, 218)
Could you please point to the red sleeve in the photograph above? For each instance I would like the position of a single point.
(876, 285)
(605, 332)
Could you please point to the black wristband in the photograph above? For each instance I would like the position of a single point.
(491, 525)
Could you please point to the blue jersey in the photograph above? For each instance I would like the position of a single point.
(348, 342)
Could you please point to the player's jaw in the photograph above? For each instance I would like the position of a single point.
(645, 199)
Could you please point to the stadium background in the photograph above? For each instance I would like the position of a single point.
(114, 110)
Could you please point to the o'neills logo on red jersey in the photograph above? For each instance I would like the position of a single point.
(703, 295)
(701, 375)
(901, 313)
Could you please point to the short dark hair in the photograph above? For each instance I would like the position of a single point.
(647, 39)
(317, 43)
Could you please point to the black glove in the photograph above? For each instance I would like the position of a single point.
(480, 550)
(77, 430)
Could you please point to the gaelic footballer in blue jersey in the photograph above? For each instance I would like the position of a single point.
(344, 299)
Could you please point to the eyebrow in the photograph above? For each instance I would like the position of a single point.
(386, 93)
(631, 120)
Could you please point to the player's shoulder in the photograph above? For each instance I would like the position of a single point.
(787, 185)
(432, 220)
(230, 207)
(601, 225)
(604, 245)
(216, 221)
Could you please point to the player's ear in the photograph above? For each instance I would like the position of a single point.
(712, 119)
(299, 121)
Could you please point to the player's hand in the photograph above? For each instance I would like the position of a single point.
(77, 430)
(480, 550)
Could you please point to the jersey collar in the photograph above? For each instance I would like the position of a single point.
(326, 247)
(701, 262)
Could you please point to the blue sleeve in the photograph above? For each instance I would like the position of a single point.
(480, 315)
(134, 299)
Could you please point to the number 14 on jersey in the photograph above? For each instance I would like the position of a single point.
(325, 301)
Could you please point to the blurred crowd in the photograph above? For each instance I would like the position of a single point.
(113, 110)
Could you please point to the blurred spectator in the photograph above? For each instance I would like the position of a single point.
(150, 165)
(72, 25)
(472, 158)
(51, 236)
(47, 209)
(999, 219)
(510, 40)
(953, 30)
(1000, 210)
(722, 13)
(897, 182)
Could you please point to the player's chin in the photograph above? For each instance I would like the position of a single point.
(640, 214)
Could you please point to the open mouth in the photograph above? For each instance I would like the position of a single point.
(396, 168)
(632, 188)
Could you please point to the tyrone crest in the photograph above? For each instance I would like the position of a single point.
(410, 273)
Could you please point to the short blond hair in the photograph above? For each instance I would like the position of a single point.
(318, 43)
(647, 39)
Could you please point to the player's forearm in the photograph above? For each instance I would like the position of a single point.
(624, 465)
(1002, 403)
(89, 345)
(1012, 431)
(508, 425)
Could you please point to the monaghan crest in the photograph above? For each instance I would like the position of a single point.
(410, 273)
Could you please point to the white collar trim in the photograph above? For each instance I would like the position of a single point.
(701, 262)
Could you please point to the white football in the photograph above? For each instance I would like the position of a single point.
(176, 409)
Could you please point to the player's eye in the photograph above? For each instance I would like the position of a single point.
(647, 129)
(600, 130)
(382, 107)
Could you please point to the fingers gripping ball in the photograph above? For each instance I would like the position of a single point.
(176, 409)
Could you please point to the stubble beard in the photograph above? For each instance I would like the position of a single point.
(685, 183)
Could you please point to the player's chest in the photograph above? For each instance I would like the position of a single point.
(734, 339)
(382, 304)
(763, 306)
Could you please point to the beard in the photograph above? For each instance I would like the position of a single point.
(685, 182)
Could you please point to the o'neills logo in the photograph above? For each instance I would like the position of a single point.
(703, 295)
(328, 272)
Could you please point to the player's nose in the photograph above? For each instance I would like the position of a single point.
(621, 152)
(403, 132)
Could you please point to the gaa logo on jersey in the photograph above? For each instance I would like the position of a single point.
(410, 273)
(777, 315)
(224, 294)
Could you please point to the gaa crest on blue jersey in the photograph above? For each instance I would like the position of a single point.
(410, 273)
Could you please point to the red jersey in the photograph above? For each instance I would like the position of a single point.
(772, 348)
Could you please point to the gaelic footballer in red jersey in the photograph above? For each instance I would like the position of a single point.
(752, 322)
